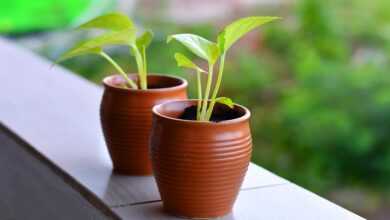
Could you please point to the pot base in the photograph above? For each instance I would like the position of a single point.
(132, 172)
(195, 218)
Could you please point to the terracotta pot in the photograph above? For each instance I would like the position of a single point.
(199, 166)
(126, 117)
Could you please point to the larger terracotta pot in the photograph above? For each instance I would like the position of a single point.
(199, 166)
(126, 118)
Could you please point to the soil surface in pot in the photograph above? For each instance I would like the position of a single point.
(220, 113)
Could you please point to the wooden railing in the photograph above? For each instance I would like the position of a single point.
(54, 163)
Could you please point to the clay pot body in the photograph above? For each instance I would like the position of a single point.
(199, 166)
(126, 118)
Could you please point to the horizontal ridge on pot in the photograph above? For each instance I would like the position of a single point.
(126, 117)
(199, 166)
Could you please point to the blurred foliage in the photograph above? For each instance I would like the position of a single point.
(25, 15)
(330, 126)
(318, 89)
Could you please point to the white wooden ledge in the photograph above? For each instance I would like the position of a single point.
(57, 113)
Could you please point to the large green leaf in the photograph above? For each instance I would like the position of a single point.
(126, 37)
(198, 45)
(75, 51)
(112, 21)
(238, 29)
(183, 61)
(145, 39)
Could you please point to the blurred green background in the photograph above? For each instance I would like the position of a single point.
(317, 82)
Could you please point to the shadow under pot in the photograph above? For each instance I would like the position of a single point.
(199, 166)
(126, 118)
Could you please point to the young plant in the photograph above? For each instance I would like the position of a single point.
(212, 52)
(119, 30)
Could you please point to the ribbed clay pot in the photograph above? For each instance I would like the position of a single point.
(199, 166)
(126, 118)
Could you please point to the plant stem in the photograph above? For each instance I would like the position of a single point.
(144, 59)
(216, 88)
(119, 69)
(199, 94)
(140, 67)
(207, 93)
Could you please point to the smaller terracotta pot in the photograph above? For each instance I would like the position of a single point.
(199, 166)
(126, 118)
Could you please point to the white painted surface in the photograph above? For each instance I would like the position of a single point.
(58, 113)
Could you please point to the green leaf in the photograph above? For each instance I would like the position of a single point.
(221, 41)
(225, 101)
(76, 51)
(145, 39)
(95, 45)
(238, 29)
(112, 21)
(198, 45)
(183, 61)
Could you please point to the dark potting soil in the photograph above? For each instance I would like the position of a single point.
(220, 113)
(157, 86)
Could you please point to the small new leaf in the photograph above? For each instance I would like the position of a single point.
(183, 61)
(239, 28)
(221, 41)
(112, 21)
(225, 101)
(145, 39)
(200, 46)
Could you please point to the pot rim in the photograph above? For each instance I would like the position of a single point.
(183, 84)
(243, 118)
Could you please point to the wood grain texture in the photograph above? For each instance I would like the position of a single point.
(282, 202)
(29, 189)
